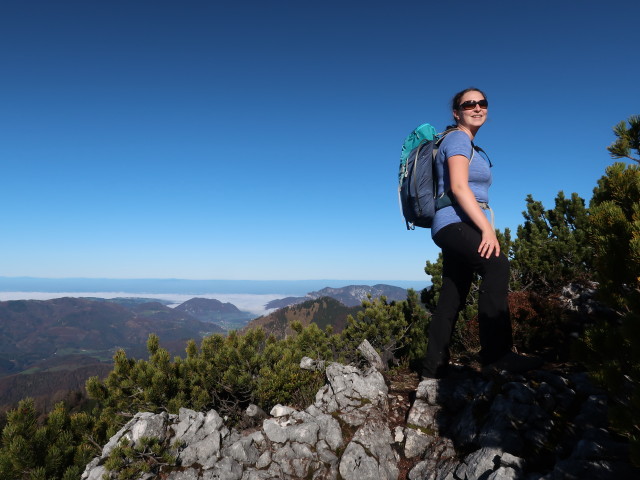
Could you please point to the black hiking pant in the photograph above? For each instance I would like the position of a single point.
(459, 243)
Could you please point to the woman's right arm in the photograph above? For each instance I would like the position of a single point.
(459, 177)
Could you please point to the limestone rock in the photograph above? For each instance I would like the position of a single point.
(542, 426)
(373, 357)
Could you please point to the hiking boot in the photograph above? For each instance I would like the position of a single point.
(514, 363)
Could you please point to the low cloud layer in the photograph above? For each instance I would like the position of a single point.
(252, 303)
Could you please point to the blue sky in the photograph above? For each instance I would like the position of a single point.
(260, 140)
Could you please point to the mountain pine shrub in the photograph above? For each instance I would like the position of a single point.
(133, 461)
(396, 330)
(610, 348)
(225, 373)
(57, 449)
(551, 250)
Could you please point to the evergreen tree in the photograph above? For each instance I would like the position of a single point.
(55, 450)
(225, 373)
(418, 319)
(129, 462)
(551, 249)
(628, 139)
(19, 453)
(396, 330)
(615, 234)
(611, 349)
(280, 379)
(430, 295)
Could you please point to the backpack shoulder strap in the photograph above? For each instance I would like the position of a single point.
(444, 134)
(482, 152)
(438, 140)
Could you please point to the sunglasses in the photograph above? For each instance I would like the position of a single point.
(471, 104)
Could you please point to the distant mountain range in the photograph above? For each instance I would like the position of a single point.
(48, 347)
(32, 332)
(350, 296)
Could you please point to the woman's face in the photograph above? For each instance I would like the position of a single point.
(470, 114)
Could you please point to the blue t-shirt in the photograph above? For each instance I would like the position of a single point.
(459, 143)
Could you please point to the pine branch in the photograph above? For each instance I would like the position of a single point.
(91, 440)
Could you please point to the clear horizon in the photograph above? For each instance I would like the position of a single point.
(7, 282)
(250, 296)
(253, 303)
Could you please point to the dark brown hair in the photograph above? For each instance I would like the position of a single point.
(455, 101)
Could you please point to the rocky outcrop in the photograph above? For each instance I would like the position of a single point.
(545, 426)
(582, 299)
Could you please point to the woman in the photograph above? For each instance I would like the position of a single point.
(469, 244)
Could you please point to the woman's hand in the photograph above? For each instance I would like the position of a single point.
(489, 244)
(459, 175)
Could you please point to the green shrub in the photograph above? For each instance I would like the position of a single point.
(55, 449)
(610, 348)
(129, 461)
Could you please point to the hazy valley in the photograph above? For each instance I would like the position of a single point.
(50, 347)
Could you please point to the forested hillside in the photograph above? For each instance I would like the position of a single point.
(49, 348)
(324, 312)
(35, 332)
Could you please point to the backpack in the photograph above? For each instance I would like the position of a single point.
(417, 183)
